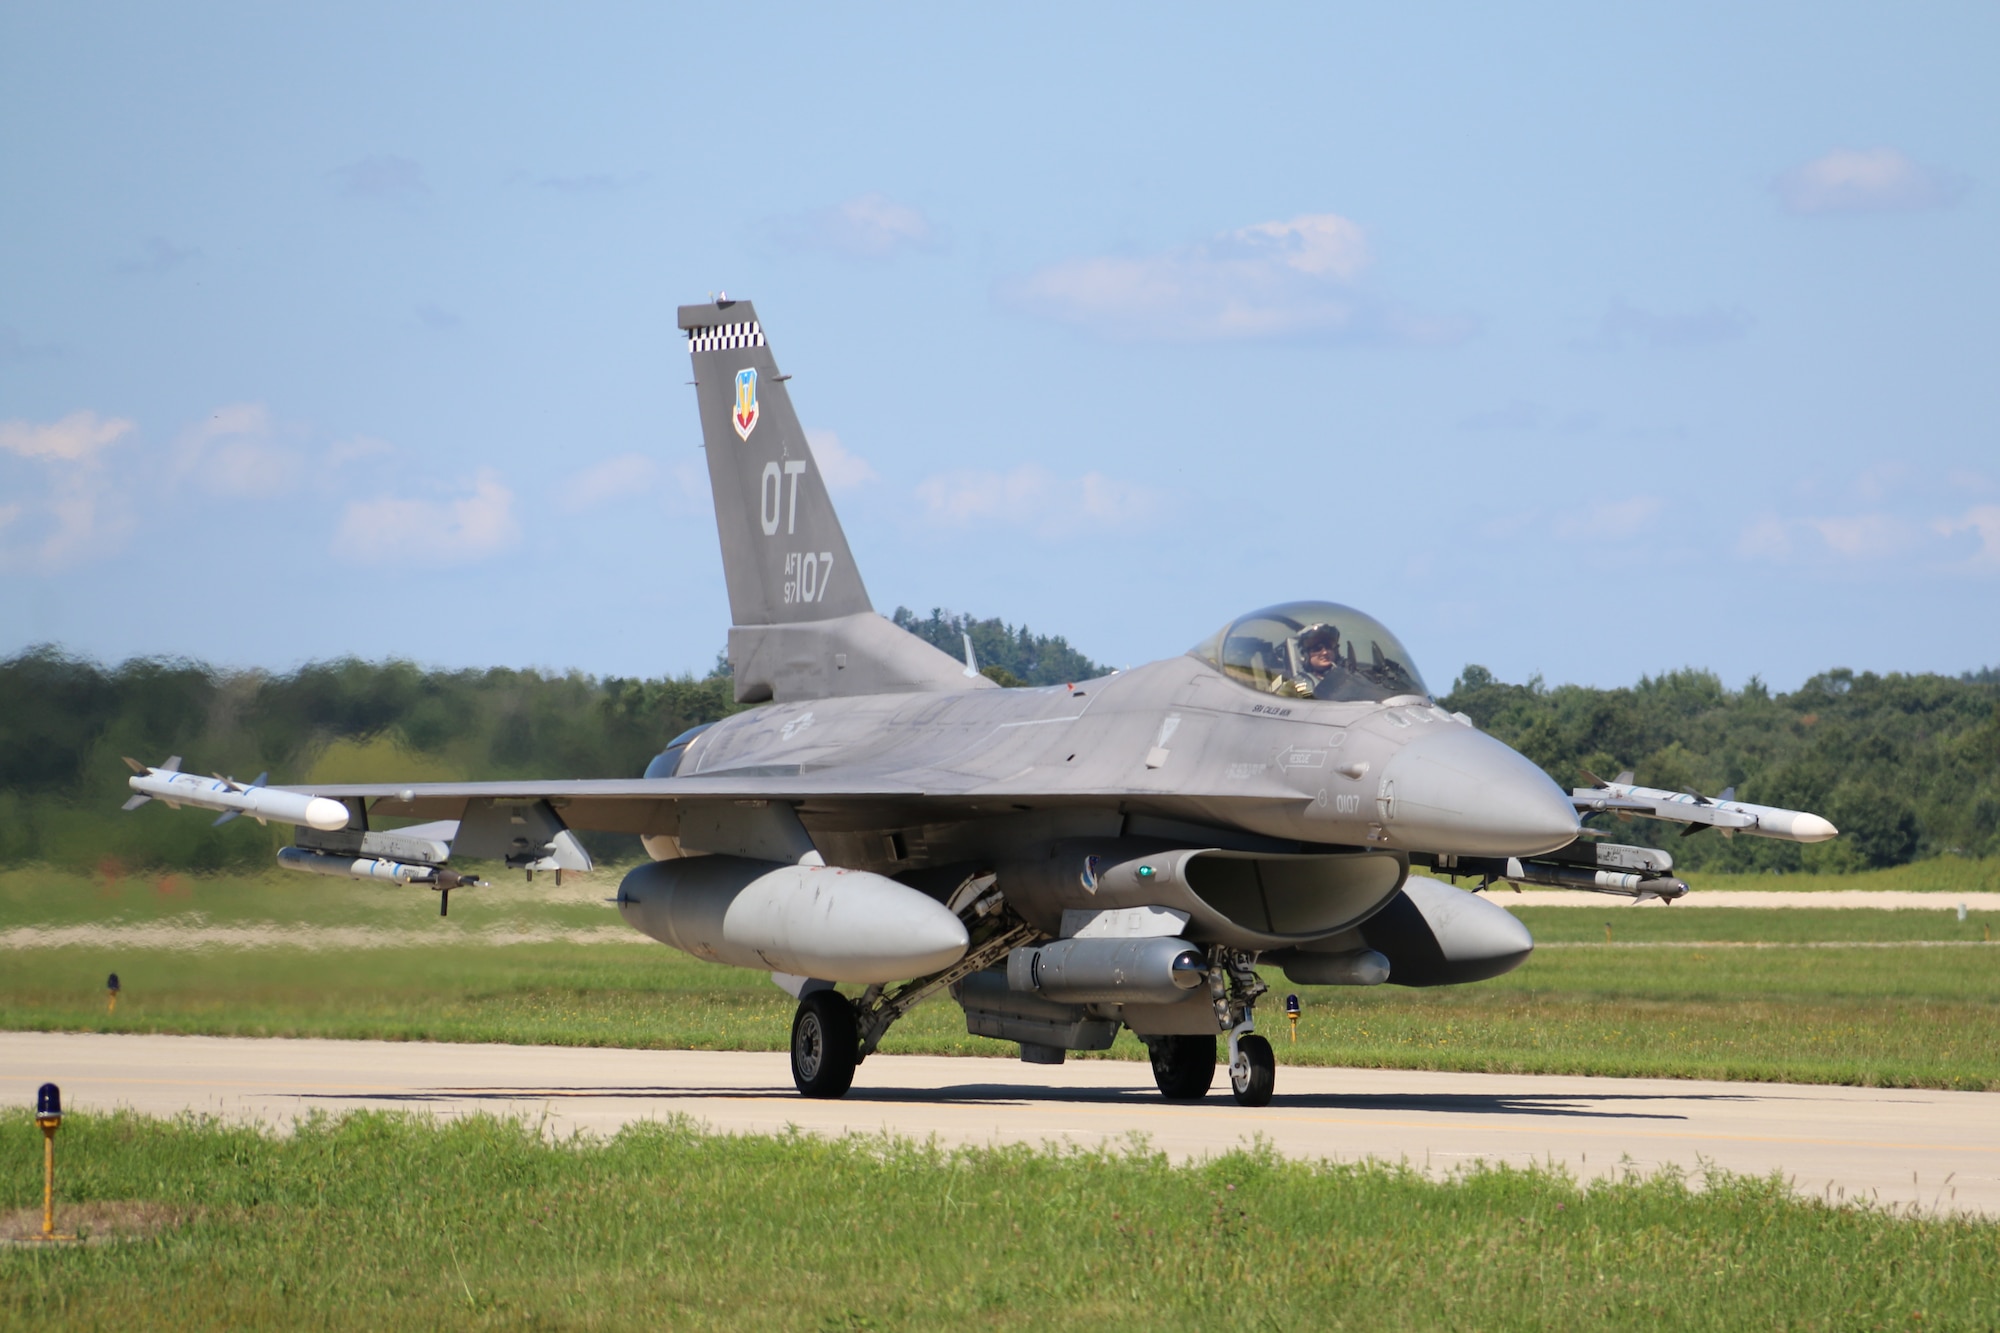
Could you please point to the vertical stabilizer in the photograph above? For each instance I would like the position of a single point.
(803, 626)
(783, 552)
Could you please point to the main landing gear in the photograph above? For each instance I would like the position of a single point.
(832, 1035)
(1183, 1067)
(826, 1044)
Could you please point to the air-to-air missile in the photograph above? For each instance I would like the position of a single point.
(261, 803)
(1698, 812)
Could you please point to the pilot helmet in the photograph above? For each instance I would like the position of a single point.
(1321, 635)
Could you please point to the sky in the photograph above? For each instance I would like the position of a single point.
(1581, 340)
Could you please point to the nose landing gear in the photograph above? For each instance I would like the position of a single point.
(1233, 987)
(1253, 1068)
(1184, 1066)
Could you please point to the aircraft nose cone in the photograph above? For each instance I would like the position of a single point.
(1453, 789)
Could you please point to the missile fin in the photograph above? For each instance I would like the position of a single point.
(1593, 779)
(1625, 778)
(173, 764)
(261, 778)
(225, 817)
(134, 765)
(136, 802)
(1692, 829)
(1728, 794)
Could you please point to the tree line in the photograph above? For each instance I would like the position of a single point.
(1907, 765)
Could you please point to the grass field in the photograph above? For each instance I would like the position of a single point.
(374, 1221)
(1899, 998)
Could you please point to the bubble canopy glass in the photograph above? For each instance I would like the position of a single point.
(1314, 650)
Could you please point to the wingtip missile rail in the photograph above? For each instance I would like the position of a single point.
(1723, 812)
(166, 782)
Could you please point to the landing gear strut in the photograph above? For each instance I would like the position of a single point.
(832, 1034)
(1233, 988)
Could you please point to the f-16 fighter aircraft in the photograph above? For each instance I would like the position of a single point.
(1064, 861)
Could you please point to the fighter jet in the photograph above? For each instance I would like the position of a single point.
(1064, 861)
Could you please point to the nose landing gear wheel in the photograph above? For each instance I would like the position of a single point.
(1183, 1066)
(826, 1045)
(1254, 1073)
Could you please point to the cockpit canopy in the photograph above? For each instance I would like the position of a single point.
(1314, 650)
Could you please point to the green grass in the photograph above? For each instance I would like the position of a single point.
(40, 895)
(1760, 925)
(382, 1221)
(1943, 874)
(48, 896)
(1906, 1015)
(1857, 996)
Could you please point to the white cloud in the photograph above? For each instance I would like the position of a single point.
(1983, 521)
(75, 439)
(160, 256)
(613, 479)
(15, 349)
(1768, 538)
(1268, 280)
(82, 513)
(1030, 496)
(1866, 180)
(450, 531)
(1624, 323)
(841, 470)
(868, 226)
(1519, 414)
(1865, 536)
(383, 176)
(1611, 520)
(590, 182)
(1967, 542)
(239, 451)
(355, 448)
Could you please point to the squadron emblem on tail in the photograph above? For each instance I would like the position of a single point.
(745, 415)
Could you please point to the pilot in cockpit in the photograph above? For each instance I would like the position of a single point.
(1318, 659)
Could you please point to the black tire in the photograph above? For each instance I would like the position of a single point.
(826, 1045)
(1254, 1088)
(1182, 1066)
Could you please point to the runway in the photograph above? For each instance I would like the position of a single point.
(1936, 1150)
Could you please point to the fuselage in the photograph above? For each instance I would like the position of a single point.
(1175, 738)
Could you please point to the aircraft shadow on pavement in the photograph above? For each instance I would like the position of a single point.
(1594, 1106)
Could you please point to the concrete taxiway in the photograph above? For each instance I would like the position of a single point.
(1934, 1150)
